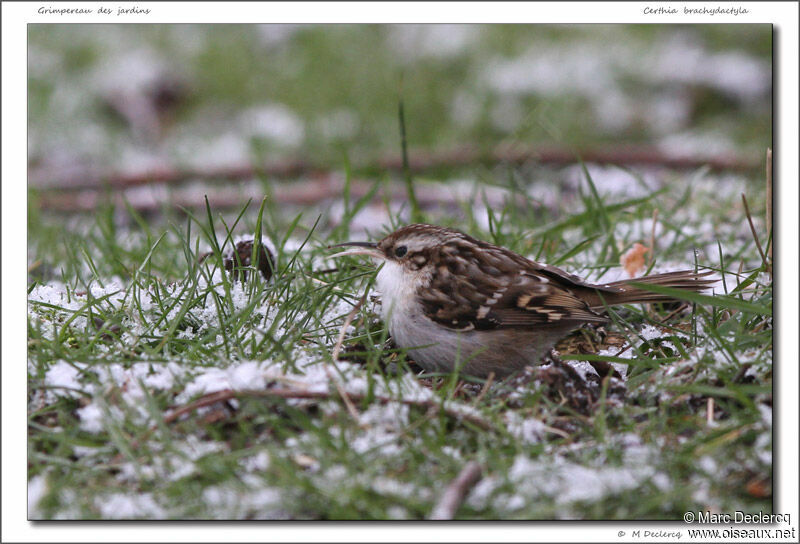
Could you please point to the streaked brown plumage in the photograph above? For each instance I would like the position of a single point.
(458, 302)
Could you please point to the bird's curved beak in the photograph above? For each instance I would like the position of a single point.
(369, 249)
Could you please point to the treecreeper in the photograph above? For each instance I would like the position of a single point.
(458, 303)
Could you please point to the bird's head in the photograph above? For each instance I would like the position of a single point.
(411, 248)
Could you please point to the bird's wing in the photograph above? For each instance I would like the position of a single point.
(483, 298)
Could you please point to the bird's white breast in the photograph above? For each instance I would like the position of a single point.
(440, 349)
(398, 289)
(432, 346)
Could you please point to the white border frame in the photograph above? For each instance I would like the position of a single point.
(15, 16)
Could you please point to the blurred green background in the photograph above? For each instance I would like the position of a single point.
(127, 97)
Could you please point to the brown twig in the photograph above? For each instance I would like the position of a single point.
(653, 237)
(556, 431)
(300, 194)
(456, 492)
(419, 160)
(485, 388)
(755, 234)
(335, 356)
(277, 392)
(741, 372)
(769, 204)
(675, 312)
(710, 410)
(84, 189)
(207, 400)
(337, 348)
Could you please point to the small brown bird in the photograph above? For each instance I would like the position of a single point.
(459, 303)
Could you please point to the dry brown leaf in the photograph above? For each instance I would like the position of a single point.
(633, 259)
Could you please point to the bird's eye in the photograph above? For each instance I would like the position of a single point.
(399, 251)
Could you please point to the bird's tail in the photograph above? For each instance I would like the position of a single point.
(622, 292)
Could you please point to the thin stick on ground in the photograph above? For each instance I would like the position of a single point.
(417, 160)
(335, 355)
(710, 410)
(337, 348)
(277, 392)
(485, 388)
(207, 400)
(755, 234)
(653, 237)
(674, 312)
(456, 492)
(769, 204)
(741, 372)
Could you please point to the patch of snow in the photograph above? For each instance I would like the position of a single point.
(132, 70)
(613, 180)
(527, 430)
(766, 414)
(708, 465)
(696, 144)
(275, 122)
(133, 506)
(213, 151)
(734, 73)
(256, 463)
(91, 417)
(650, 332)
(662, 481)
(406, 490)
(66, 376)
(763, 447)
(482, 492)
(515, 502)
(277, 34)
(432, 40)
(37, 488)
(567, 482)
(396, 512)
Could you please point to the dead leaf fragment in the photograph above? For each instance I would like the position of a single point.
(633, 259)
